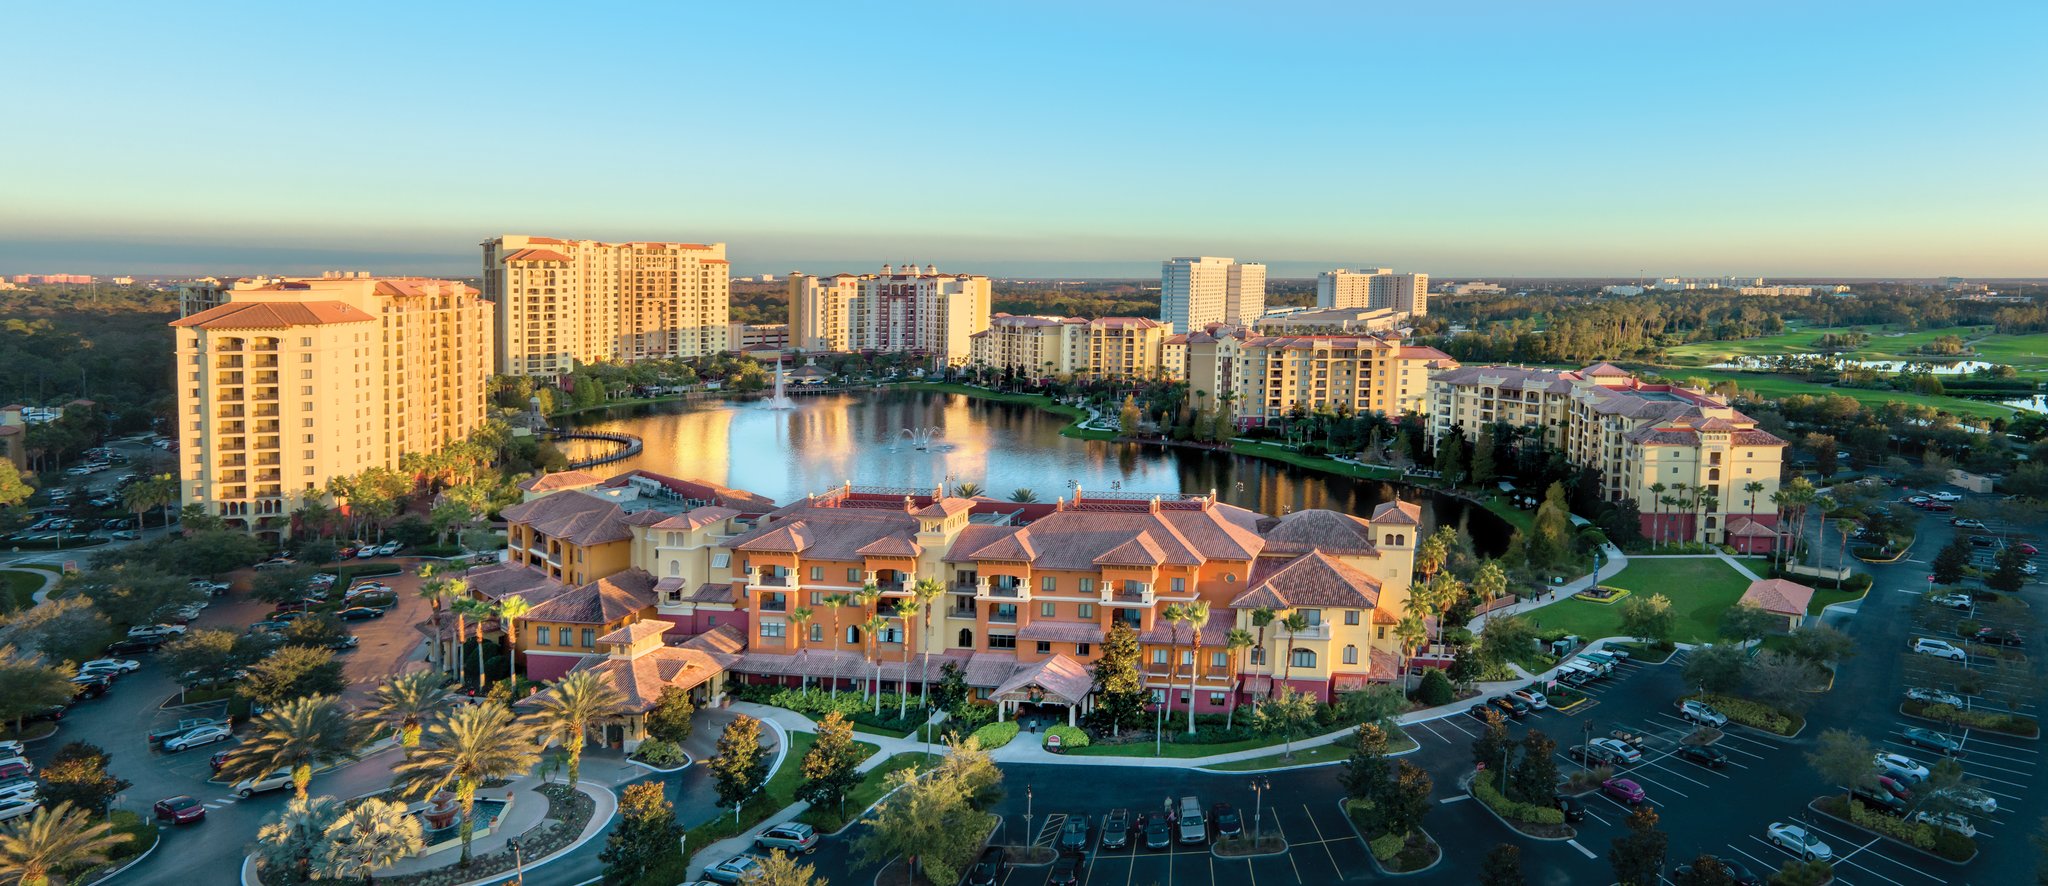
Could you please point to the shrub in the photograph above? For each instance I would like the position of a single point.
(1070, 736)
(1919, 836)
(1436, 688)
(661, 753)
(1748, 713)
(2012, 724)
(1512, 810)
(995, 735)
(970, 715)
(1386, 846)
(1859, 582)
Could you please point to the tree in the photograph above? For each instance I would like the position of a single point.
(295, 672)
(403, 703)
(646, 833)
(1706, 870)
(1407, 799)
(1949, 562)
(1377, 704)
(2007, 576)
(63, 629)
(1843, 759)
(1450, 458)
(1194, 616)
(52, 839)
(78, 775)
(1534, 778)
(782, 869)
(1716, 669)
(1746, 622)
(1504, 637)
(297, 735)
(318, 631)
(509, 611)
(1286, 713)
(670, 718)
(741, 766)
(1023, 494)
(1436, 688)
(570, 707)
(1551, 541)
(13, 490)
(471, 745)
(1490, 583)
(373, 835)
(1638, 856)
(828, 767)
(1503, 866)
(1127, 419)
(1492, 747)
(1783, 681)
(1648, 618)
(1814, 872)
(1365, 777)
(200, 658)
(298, 834)
(1483, 470)
(281, 585)
(1820, 644)
(1119, 696)
(952, 688)
(30, 687)
(934, 818)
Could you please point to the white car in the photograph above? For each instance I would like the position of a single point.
(1533, 698)
(1970, 798)
(1945, 496)
(249, 787)
(18, 761)
(1619, 749)
(1934, 696)
(368, 587)
(1702, 713)
(1938, 649)
(141, 631)
(389, 548)
(19, 806)
(1796, 840)
(17, 789)
(1954, 821)
(124, 665)
(211, 587)
(1954, 601)
(204, 735)
(1901, 766)
(11, 748)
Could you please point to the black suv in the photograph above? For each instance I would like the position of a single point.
(1227, 820)
(132, 645)
(1074, 834)
(1158, 831)
(988, 870)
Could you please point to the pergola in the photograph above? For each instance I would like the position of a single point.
(1056, 680)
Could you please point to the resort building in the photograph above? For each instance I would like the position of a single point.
(904, 310)
(657, 581)
(1330, 321)
(294, 382)
(1695, 468)
(563, 303)
(1199, 290)
(1273, 376)
(1374, 288)
(1048, 347)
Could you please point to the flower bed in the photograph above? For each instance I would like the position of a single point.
(568, 813)
(995, 735)
(663, 755)
(1993, 721)
(1545, 822)
(816, 703)
(1941, 843)
(1602, 594)
(1752, 714)
(1408, 853)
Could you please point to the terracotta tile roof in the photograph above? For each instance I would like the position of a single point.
(891, 546)
(698, 518)
(793, 537)
(1061, 632)
(1141, 550)
(1745, 526)
(946, 507)
(640, 680)
(1512, 378)
(603, 601)
(1756, 438)
(1604, 370)
(1314, 580)
(1398, 513)
(1080, 539)
(536, 255)
(721, 640)
(989, 669)
(1318, 529)
(1779, 596)
(992, 543)
(499, 581)
(1124, 323)
(572, 516)
(274, 315)
(1215, 631)
(825, 533)
(812, 663)
(1419, 352)
(559, 480)
(637, 631)
(1063, 677)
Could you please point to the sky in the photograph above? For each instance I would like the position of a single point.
(1572, 138)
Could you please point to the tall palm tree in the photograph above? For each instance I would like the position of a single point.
(405, 702)
(927, 591)
(297, 834)
(470, 746)
(434, 590)
(1237, 641)
(1174, 615)
(1709, 503)
(1261, 618)
(572, 705)
(376, 834)
(871, 648)
(837, 602)
(1656, 513)
(969, 489)
(1295, 623)
(1411, 632)
(1679, 500)
(509, 611)
(1196, 615)
(54, 838)
(905, 611)
(799, 617)
(478, 612)
(304, 733)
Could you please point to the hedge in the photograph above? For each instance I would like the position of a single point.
(1925, 837)
(1748, 713)
(1513, 810)
(1070, 736)
(995, 735)
(660, 753)
(1386, 846)
(2010, 724)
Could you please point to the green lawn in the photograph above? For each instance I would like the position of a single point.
(1322, 753)
(1772, 386)
(1169, 749)
(780, 792)
(1825, 597)
(1699, 590)
(17, 590)
(870, 789)
(2027, 353)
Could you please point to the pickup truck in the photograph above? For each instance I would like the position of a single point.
(187, 725)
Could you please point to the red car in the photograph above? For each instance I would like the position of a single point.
(2026, 549)
(1624, 790)
(11, 771)
(1940, 506)
(180, 810)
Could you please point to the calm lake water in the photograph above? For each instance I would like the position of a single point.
(829, 440)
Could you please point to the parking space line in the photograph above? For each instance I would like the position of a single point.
(1760, 862)
(1334, 868)
(1582, 850)
(1846, 859)
(1446, 721)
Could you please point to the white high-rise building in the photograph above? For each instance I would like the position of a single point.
(1196, 291)
(564, 303)
(1376, 288)
(900, 310)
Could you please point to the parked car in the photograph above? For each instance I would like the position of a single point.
(1970, 798)
(1702, 713)
(1954, 821)
(92, 685)
(1945, 496)
(12, 748)
(793, 837)
(1901, 766)
(1879, 801)
(1983, 541)
(1939, 507)
(163, 631)
(1478, 711)
(180, 810)
(1073, 834)
(389, 548)
(1737, 873)
(1934, 696)
(181, 727)
(1229, 823)
(250, 787)
(988, 870)
(344, 642)
(1116, 829)
(268, 627)
(124, 535)
(1571, 807)
(1921, 736)
(19, 806)
(1796, 840)
(204, 735)
(1619, 749)
(123, 665)
(1961, 602)
(1624, 790)
(1938, 649)
(1066, 870)
(15, 767)
(1511, 707)
(1158, 831)
(1999, 637)
(732, 870)
(1532, 698)
(2026, 549)
(1192, 829)
(359, 613)
(212, 588)
(1710, 757)
(1895, 788)
(20, 787)
(367, 587)
(277, 563)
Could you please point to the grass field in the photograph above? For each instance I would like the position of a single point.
(1700, 589)
(1774, 386)
(17, 589)
(2027, 353)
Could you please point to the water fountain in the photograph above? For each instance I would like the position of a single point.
(920, 438)
(780, 400)
(441, 820)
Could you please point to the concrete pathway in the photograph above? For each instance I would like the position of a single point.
(1615, 563)
(49, 582)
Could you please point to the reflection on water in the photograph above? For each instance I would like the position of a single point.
(860, 439)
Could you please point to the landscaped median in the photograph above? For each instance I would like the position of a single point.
(1755, 715)
(873, 785)
(1540, 822)
(1942, 843)
(2016, 725)
(1410, 853)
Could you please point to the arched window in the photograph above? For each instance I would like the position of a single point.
(1351, 655)
(852, 635)
(1714, 474)
(966, 638)
(1304, 658)
(675, 568)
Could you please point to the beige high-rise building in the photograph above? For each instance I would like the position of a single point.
(1036, 347)
(1374, 288)
(821, 312)
(907, 310)
(1272, 375)
(293, 382)
(562, 303)
(1126, 347)
(1196, 291)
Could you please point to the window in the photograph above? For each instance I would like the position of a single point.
(817, 598)
(773, 628)
(1230, 578)
(1044, 648)
(1086, 610)
(1303, 658)
(1158, 696)
(890, 635)
(1082, 649)
(1216, 699)
(540, 636)
(1219, 659)
(817, 573)
(817, 633)
(720, 561)
(1314, 616)
(966, 638)
(853, 574)
(589, 638)
(1002, 641)
(1351, 617)
(1183, 698)
(1258, 656)
(1047, 610)
(1087, 586)
(1048, 583)
(305, 373)
(1159, 656)
(305, 390)
(1179, 585)
(1383, 632)
(1351, 655)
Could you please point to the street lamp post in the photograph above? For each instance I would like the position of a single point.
(1029, 839)
(1260, 785)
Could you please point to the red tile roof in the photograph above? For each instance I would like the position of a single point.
(274, 315)
(1314, 580)
(1779, 596)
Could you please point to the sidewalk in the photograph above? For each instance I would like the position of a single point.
(528, 810)
(1616, 562)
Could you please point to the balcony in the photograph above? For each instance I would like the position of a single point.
(1019, 592)
(229, 378)
(1312, 632)
(263, 427)
(759, 579)
(230, 412)
(996, 617)
(1115, 595)
(234, 362)
(233, 461)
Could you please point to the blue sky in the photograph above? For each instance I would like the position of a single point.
(1568, 138)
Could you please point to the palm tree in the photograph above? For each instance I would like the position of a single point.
(1295, 623)
(1709, 503)
(1656, 514)
(797, 619)
(969, 489)
(905, 611)
(304, 733)
(1664, 530)
(478, 612)
(1411, 632)
(869, 599)
(509, 611)
(375, 834)
(871, 632)
(1261, 617)
(1023, 495)
(406, 701)
(473, 745)
(572, 705)
(1679, 499)
(1174, 615)
(54, 838)
(434, 590)
(927, 591)
(837, 602)
(1196, 615)
(298, 833)
(1237, 641)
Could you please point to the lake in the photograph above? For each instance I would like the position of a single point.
(833, 439)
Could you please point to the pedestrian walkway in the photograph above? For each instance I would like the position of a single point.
(49, 582)
(528, 810)
(1615, 561)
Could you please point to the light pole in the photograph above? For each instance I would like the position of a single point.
(1159, 729)
(1260, 784)
(1029, 838)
